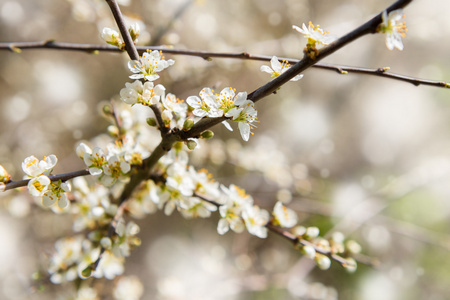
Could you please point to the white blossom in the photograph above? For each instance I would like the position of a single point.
(286, 217)
(148, 65)
(37, 186)
(245, 114)
(278, 68)
(393, 27)
(256, 220)
(315, 35)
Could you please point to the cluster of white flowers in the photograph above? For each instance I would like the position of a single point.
(109, 167)
(40, 184)
(393, 27)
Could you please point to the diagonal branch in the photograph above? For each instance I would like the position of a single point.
(129, 45)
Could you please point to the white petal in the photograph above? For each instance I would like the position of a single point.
(244, 128)
(266, 69)
(62, 202)
(49, 199)
(227, 125)
(276, 65)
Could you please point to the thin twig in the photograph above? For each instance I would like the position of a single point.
(63, 177)
(340, 69)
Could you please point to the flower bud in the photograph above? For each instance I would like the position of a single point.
(353, 247)
(87, 272)
(309, 251)
(191, 144)
(113, 130)
(4, 175)
(312, 232)
(350, 265)
(107, 110)
(188, 124)
(322, 261)
(110, 36)
(106, 242)
(151, 122)
(207, 134)
(134, 31)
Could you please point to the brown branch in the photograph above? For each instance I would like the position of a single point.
(63, 177)
(129, 45)
(306, 62)
(340, 69)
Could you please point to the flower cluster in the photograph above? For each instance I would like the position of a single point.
(109, 167)
(227, 104)
(145, 94)
(394, 29)
(40, 184)
(319, 249)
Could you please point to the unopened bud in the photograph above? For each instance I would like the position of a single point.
(312, 232)
(309, 251)
(207, 134)
(106, 242)
(134, 31)
(188, 124)
(151, 122)
(113, 130)
(4, 175)
(191, 144)
(107, 109)
(350, 265)
(322, 261)
(87, 272)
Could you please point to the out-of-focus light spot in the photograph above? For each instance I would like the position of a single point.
(172, 38)
(19, 207)
(79, 108)
(11, 13)
(59, 82)
(326, 146)
(206, 25)
(324, 173)
(274, 18)
(378, 286)
(300, 171)
(243, 262)
(307, 123)
(346, 197)
(284, 195)
(378, 238)
(16, 109)
(77, 134)
(83, 11)
(170, 287)
(368, 181)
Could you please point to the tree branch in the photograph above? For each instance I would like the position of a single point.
(340, 69)
(306, 62)
(129, 45)
(63, 177)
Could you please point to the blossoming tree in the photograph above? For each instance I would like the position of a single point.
(144, 163)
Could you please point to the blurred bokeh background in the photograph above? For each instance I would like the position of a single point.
(363, 155)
